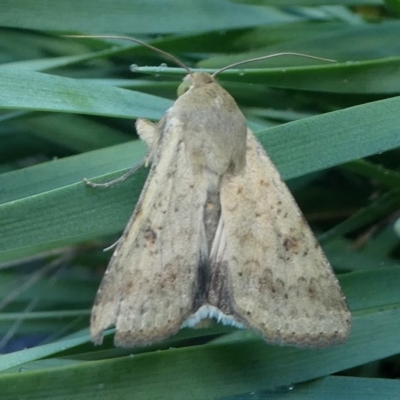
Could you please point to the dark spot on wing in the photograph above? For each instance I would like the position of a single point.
(149, 235)
(290, 243)
(312, 290)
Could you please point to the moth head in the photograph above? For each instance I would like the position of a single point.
(194, 80)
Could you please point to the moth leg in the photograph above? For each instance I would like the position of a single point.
(151, 134)
(114, 181)
(114, 245)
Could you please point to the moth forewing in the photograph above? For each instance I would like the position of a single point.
(151, 281)
(277, 278)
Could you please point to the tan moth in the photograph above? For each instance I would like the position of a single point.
(216, 233)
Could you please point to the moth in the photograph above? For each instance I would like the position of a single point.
(216, 233)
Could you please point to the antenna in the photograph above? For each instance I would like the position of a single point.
(269, 56)
(149, 46)
(183, 65)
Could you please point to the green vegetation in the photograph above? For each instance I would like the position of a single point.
(67, 112)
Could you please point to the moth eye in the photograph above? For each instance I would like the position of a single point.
(183, 88)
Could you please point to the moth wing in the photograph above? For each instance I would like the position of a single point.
(150, 284)
(278, 279)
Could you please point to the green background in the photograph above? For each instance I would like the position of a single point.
(67, 112)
